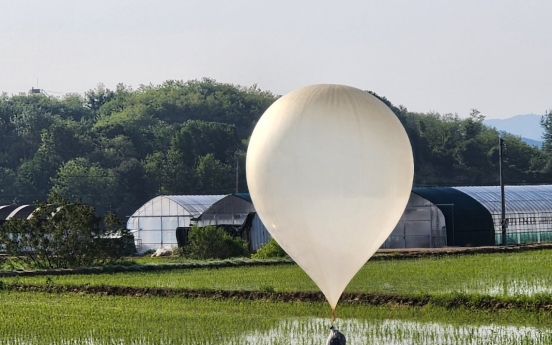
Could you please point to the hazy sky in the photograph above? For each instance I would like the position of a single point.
(444, 56)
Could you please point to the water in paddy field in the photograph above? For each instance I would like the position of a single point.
(395, 332)
(314, 331)
(508, 288)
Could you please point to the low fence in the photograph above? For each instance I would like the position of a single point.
(524, 228)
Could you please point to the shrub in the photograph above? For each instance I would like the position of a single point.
(271, 249)
(210, 242)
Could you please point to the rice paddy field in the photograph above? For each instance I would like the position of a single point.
(36, 318)
(526, 274)
(80, 318)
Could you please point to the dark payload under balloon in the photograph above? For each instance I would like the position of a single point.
(336, 337)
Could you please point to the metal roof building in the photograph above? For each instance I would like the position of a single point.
(154, 223)
(237, 210)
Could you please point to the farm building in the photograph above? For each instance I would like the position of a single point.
(237, 211)
(434, 217)
(472, 217)
(466, 221)
(154, 224)
(528, 211)
(422, 225)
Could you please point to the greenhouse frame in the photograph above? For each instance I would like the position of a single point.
(8, 212)
(467, 222)
(528, 211)
(422, 225)
(473, 214)
(154, 224)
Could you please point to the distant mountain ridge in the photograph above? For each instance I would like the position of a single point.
(526, 126)
(532, 142)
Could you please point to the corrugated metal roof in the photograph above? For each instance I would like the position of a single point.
(231, 204)
(518, 199)
(244, 196)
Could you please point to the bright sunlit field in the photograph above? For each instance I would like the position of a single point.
(37, 318)
(79, 318)
(500, 274)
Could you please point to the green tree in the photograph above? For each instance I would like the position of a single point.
(130, 187)
(214, 177)
(8, 191)
(97, 97)
(546, 123)
(78, 179)
(33, 178)
(61, 235)
(111, 152)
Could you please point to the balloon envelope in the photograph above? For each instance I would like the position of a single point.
(329, 170)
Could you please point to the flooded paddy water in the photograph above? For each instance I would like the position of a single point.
(314, 331)
(395, 332)
(510, 287)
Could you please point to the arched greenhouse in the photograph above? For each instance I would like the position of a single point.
(154, 224)
(528, 211)
(471, 216)
(8, 212)
(434, 217)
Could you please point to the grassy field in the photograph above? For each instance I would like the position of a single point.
(74, 318)
(36, 318)
(525, 274)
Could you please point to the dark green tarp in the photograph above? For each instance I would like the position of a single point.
(468, 222)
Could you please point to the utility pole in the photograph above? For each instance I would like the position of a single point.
(502, 203)
(237, 170)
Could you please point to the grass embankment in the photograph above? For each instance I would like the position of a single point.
(39, 318)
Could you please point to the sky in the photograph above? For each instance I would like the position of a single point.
(427, 55)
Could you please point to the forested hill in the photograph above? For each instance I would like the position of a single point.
(116, 149)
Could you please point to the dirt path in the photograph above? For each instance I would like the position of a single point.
(409, 253)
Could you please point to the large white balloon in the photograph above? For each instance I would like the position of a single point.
(330, 170)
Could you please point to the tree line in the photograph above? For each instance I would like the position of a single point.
(116, 149)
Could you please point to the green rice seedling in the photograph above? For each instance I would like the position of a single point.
(37, 318)
(500, 274)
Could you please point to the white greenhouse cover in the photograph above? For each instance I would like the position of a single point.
(154, 224)
(177, 205)
(518, 199)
